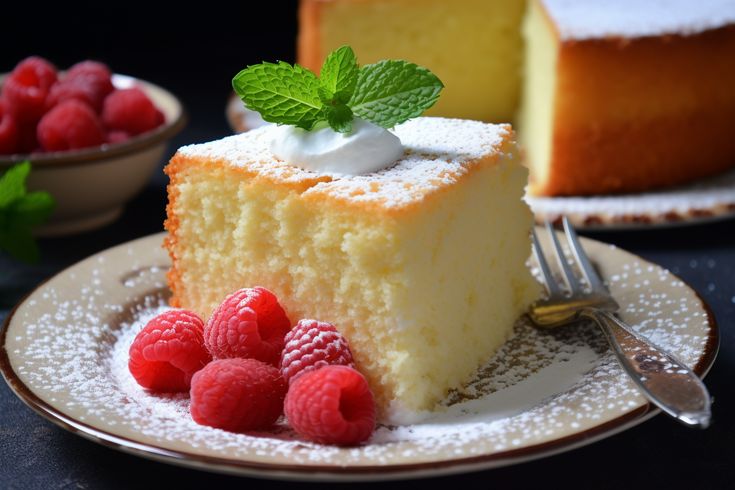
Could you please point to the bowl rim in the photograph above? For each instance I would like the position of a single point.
(87, 156)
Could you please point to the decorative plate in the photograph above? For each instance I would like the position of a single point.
(64, 353)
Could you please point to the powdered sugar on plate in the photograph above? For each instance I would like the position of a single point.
(707, 199)
(69, 341)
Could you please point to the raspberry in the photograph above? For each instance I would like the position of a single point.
(88, 81)
(117, 137)
(248, 323)
(332, 405)
(237, 395)
(94, 70)
(9, 132)
(26, 88)
(130, 110)
(168, 351)
(311, 345)
(68, 126)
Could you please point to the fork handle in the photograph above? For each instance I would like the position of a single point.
(664, 380)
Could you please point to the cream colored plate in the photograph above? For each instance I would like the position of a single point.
(65, 354)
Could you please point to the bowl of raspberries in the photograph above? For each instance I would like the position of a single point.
(93, 137)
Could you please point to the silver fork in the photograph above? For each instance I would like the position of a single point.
(663, 379)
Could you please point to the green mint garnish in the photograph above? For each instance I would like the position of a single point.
(20, 211)
(385, 93)
(390, 92)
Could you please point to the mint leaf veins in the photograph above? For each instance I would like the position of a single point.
(385, 93)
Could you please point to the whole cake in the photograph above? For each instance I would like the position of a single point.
(422, 266)
(610, 96)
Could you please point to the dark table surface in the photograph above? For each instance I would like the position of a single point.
(35, 454)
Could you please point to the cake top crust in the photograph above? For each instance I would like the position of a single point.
(437, 153)
(598, 19)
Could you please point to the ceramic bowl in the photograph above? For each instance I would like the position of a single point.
(92, 185)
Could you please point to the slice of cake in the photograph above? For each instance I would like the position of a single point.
(422, 266)
(474, 46)
(626, 96)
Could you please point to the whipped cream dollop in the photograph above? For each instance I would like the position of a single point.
(368, 148)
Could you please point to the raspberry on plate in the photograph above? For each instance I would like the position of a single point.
(27, 87)
(69, 126)
(332, 405)
(168, 351)
(130, 110)
(249, 323)
(8, 131)
(237, 395)
(311, 345)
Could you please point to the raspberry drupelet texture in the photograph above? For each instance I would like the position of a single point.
(27, 87)
(237, 395)
(87, 81)
(68, 126)
(249, 323)
(311, 345)
(130, 110)
(332, 405)
(168, 351)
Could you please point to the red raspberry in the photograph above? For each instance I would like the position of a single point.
(249, 323)
(27, 86)
(9, 132)
(168, 351)
(69, 126)
(311, 345)
(114, 137)
(237, 395)
(130, 110)
(94, 70)
(88, 81)
(332, 405)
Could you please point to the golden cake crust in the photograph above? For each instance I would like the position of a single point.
(633, 114)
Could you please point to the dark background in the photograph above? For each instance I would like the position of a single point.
(194, 52)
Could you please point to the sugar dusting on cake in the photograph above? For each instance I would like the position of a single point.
(437, 152)
(598, 19)
(540, 386)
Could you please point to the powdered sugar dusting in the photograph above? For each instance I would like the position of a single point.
(69, 342)
(437, 152)
(595, 19)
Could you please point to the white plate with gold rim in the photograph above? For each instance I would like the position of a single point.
(64, 353)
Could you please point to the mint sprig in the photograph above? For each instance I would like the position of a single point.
(20, 211)
(385, 93)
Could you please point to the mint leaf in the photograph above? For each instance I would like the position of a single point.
(13, 183)
(339, 117)
(32, 209)
(281, 93)
(19, 212)
(393, 91)
(338, 76)
(385, 93)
